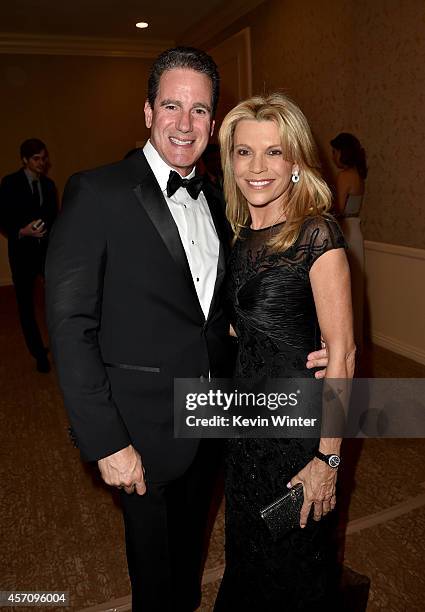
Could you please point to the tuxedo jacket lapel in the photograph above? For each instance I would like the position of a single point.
(150, 197)
(216, 206)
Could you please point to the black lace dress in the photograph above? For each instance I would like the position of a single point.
(274, 315)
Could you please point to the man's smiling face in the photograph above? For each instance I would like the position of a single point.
(181, 121)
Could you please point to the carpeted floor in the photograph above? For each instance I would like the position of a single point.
(61, 529)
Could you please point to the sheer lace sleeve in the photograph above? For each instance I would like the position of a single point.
(319, 235)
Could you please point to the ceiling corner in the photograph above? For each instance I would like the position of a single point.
(222, 17)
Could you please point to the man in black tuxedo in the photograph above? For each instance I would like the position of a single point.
(134, 280)
(28, 207)
(134, 275)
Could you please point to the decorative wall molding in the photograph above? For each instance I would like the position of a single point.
(222, 17)
(81, 45)
(401, 348)
(395, 249)
(396, 297)
(237, 47)
(43, 44)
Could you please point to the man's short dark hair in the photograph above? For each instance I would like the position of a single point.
(31, 147)
(184, 57)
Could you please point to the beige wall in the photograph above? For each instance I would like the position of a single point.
(358, 65)
(395, 309)
(88, 110)
(391, 102)
(355, 65)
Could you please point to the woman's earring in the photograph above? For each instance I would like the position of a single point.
(295, 176)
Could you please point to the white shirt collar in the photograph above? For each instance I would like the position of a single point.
(30, 176)
(158, 166)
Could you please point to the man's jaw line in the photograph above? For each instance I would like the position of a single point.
(35, 173)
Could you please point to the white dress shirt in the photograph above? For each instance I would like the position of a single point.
(195, 226)
(31, 179)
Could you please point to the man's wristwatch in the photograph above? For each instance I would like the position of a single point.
(332, 460)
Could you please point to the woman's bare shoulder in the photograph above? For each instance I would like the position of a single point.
(350, 178)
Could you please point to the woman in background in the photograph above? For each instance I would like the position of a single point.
(288, 282)
(349, 156)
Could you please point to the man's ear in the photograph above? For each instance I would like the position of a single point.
(212, 127)
(148, 114)
(25, 161)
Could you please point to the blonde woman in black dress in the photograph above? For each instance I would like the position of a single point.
(288, 283)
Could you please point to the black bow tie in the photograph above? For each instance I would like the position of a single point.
(193, 185)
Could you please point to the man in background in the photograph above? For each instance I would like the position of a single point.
(28, 207)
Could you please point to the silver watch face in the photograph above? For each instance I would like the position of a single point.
(334, 461)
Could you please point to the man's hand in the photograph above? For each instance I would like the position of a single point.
(35, 229)
(124, 470)
(318, 359)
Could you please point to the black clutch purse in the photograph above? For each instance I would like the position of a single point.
(283, 514)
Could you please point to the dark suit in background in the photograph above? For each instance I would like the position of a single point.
(18, 207)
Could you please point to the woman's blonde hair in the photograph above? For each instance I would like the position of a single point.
(309, 197)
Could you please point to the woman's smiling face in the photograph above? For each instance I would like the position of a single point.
(261, 171)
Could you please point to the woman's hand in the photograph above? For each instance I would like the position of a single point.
(318, 480)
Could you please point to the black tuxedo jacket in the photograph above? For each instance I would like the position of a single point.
(124, 317)
(17, 209)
